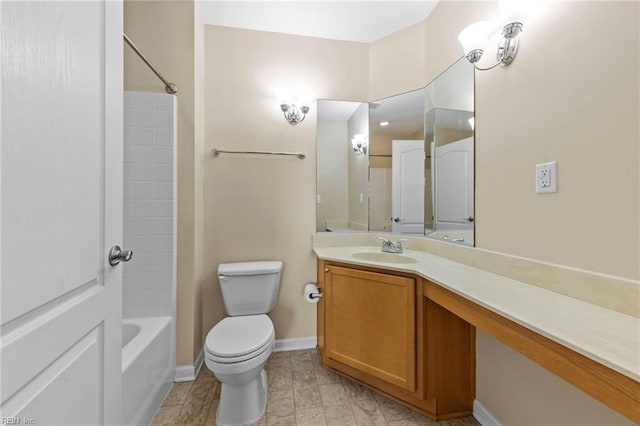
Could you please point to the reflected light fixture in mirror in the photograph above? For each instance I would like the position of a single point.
(474, 37)
(384, 123)
(359, 143)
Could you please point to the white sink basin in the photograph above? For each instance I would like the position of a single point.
(385, 257)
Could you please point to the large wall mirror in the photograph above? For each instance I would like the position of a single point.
(402, 164)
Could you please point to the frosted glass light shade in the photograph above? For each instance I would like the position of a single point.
(474, 37)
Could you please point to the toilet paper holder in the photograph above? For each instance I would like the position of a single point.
(315, 295)
(312, 293)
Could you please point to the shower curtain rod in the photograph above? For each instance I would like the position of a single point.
(169, 87)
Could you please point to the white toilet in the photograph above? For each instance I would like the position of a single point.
(237, 348)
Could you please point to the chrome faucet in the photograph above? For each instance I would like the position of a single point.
(389, 247)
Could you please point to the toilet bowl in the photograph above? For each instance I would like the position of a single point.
(237, 348)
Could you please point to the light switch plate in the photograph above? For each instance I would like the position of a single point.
(547, 177)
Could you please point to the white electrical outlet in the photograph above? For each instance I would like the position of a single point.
(547, 177)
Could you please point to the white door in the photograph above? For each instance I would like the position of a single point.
(453, 194)
(407, 193)
(61, 204)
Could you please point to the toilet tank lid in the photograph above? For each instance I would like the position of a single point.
(250, 268)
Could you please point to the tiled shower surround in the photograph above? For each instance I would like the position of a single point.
(149, 204)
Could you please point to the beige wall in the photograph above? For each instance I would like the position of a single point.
(579, 112)
(164, 31)
(520, 392)
(397, 62)
(256, 207)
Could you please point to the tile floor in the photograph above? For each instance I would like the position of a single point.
(301, 392)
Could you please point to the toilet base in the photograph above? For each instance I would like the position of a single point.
(243, 404)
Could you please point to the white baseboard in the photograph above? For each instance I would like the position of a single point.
(188, 373)
(295, 344)
(483, 416)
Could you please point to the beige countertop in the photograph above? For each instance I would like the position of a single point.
(603, 335)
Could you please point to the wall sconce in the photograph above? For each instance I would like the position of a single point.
(474, 37)
(293, 113)
(359, 142)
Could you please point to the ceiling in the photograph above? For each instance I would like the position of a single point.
(360, 21)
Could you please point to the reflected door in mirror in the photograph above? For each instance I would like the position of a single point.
(408, 186)
(453, 169)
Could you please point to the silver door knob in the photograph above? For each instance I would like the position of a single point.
(395, 219)
(117, 255)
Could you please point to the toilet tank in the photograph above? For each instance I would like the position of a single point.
(249, 288)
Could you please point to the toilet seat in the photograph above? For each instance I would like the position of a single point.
(237, 339)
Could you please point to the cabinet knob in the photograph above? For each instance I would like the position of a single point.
(326, 269)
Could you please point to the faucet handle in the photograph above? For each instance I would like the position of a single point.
(386, 244)
(400, 241)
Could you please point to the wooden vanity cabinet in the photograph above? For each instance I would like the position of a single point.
(378, 328)
(370, 323)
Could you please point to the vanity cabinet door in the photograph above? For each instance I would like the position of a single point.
(370, 323)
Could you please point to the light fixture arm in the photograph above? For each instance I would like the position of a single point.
(488, 68)
(507, 48)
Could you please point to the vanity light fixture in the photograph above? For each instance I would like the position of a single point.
(359, 142)
(384, 123)
(294, 104)
(474, 37)
(294, 110)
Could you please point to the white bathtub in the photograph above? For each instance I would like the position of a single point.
(147, 367)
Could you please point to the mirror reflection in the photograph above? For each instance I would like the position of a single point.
(396, 173)
(449, 145)
(402, 164)
(342, 194)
